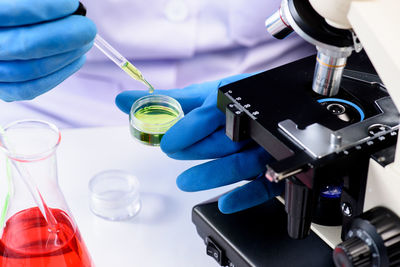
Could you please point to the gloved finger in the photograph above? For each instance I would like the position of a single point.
(249, 195)
(224, 171)
(26, 70)
(234, 78)
(195, 126)
(28, 90)
(214, 146)
(189, 97)
(46, 39)
(23, 12)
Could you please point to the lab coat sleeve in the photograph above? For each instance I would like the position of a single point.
(247, 19)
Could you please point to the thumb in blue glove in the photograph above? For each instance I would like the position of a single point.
(42, 44)
(201, 135)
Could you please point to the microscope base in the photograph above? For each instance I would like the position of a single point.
(256, 237)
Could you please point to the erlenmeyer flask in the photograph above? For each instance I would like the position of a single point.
(39, 229)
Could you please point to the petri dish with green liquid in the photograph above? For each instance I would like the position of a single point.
(151, 116)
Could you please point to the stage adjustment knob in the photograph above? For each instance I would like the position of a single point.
(373, 240)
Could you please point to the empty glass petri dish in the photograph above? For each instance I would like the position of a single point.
(151, 116)
(114, 195)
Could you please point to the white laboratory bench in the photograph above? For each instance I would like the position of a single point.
(162, 234)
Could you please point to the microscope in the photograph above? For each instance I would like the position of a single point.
(331, 124)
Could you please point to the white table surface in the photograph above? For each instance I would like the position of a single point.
(162, 234)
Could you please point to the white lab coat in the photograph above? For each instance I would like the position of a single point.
(173, 42)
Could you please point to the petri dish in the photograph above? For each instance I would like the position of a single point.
(151, 116)
(114, 195)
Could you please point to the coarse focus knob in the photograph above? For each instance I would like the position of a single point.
(352, 252)
(373, 240)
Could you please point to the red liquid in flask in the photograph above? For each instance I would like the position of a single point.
(27, 240)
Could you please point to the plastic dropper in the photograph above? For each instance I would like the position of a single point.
(114, 55)
(121, 61)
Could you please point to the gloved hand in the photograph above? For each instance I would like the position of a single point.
(41, 44)
(201, 135)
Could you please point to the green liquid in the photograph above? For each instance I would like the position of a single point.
(155, 120)
(137, 75)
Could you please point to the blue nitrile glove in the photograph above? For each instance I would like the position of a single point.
(201, 135)
(41, 44)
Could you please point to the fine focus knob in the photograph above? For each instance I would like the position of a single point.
(373, 240)
(352, 252)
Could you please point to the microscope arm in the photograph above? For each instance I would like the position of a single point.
(376, 24)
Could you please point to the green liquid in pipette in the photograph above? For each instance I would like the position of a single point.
(137, 75)
(153, 115)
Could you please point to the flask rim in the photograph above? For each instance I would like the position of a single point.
(29, 157)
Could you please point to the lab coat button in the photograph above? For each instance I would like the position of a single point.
(176, 10)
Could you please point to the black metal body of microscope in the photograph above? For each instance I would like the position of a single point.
(276, 109)
(322, 124)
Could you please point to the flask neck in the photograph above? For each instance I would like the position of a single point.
(31, 150)
(36, 183)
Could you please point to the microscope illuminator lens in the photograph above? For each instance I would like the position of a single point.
(338, 100)
(336, 109)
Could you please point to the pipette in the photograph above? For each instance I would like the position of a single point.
(121, 61)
